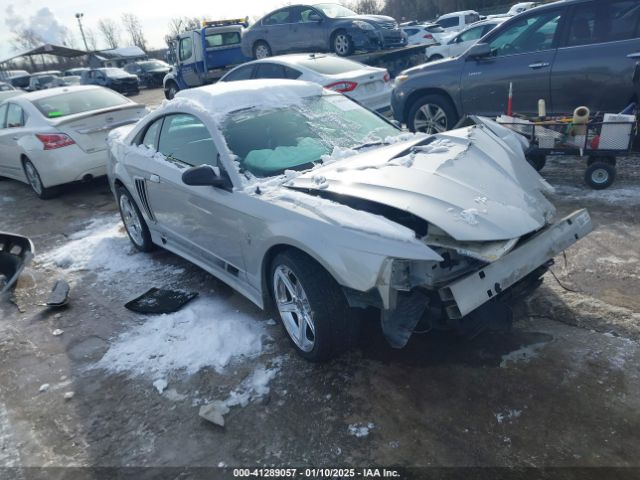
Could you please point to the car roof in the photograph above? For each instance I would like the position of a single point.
(224, 97)
(455, 14)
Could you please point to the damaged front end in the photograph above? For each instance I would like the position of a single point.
(470, 290)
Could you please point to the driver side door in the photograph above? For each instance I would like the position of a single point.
(197, 221)
(523, 54)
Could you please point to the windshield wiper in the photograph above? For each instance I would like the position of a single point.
(370, 144)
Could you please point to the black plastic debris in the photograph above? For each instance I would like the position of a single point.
(159, 300)
(59, 295)
(16, 252)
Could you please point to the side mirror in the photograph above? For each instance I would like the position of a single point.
(204, 175)
(479, 50)
(314, 17)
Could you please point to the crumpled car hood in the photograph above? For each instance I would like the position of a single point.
(471, 183)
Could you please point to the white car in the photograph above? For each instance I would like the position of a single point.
(303, 200)
(424, 34)
(459, 44)
(370, 86)
(457, 21)
(58, 135)
(521, 7)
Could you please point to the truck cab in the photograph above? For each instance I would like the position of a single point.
(202, 56)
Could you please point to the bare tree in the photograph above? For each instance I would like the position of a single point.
(110, 32)
(132, 26)
(26, 39)
(366, 7)
(90, 37)
(177, 25)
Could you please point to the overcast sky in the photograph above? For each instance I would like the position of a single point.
(47, 16)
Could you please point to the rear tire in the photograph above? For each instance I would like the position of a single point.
(35, 182)
(261, 49)
(302, 290)
(134, 222)
(432, 114)
(600, 175)
(435, 57)
(342, 44)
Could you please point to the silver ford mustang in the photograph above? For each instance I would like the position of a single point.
(301, 199)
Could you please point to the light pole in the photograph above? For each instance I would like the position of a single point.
(79, 17)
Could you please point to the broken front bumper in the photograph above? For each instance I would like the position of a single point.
(464, 295)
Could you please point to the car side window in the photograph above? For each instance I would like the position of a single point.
(449, 22)
(280, 17)
(291, 73)
(186, 48)
(303, 14)
(269, 70)
(184, 138)
(604, 22)
(240, 73)
(471, 34)
(3, 116)
(411, 31)
(15, 116)
(531, 34)
(150, 138)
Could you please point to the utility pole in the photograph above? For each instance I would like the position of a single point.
(79, 17)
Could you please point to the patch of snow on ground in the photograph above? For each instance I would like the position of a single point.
(103, 246)
(523, 355)
(616, 260)
(360, 429)
(4, 199)
(611, 195)
(209, 332)
(9, 453)
(508, 415)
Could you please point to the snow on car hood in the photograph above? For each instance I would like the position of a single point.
(471, 183)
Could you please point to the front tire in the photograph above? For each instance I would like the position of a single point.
(261, 49)
(432, 114)
(171, 90)
(312, 307)
(35, 182)
(134, 222)
(342, 44)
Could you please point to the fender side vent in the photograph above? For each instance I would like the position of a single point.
(141, 188)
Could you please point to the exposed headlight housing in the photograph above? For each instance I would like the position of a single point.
(363, 25)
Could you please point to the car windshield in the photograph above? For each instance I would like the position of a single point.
(333, 10)
(65, 104)
(146, 66)
(267, 142)
(113, 72)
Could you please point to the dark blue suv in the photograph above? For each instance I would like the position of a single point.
(569, 53)
(322, 27)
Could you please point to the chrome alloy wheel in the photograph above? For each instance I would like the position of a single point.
(341, 44)
(294, 308)
(33, 177)
(131, 220)
(430, 118)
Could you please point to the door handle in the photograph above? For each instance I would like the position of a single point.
(538, 65)
(634, 55)
(154, 178)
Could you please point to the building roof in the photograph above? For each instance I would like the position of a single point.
(47, 49)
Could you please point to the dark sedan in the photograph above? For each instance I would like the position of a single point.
(150, 72)
(114, 78)
(322, 27)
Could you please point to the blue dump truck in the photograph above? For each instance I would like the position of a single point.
(202, 56)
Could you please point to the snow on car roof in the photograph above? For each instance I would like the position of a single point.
(49, 92)
(224, 97)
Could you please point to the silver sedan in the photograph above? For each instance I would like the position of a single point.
(303, 200)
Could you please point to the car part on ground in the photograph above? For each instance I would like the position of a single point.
(160, 301)
(57, 136)
(310, 203)
(59, 296)
(16, 252)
